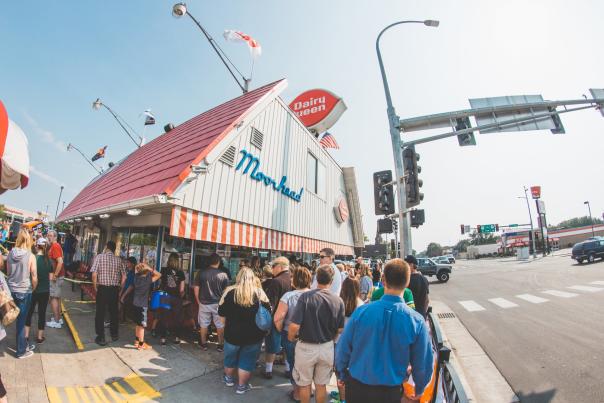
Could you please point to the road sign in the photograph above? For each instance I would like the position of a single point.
(486, 228)
(512, 225)
(467, 227)
(520, 110)
(536, 192)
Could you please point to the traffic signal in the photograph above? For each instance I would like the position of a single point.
(466, 139)
(496, 227)
(417, 218)
(479, 229)
(412, 181)
(463, 227)
(384, 226)
(383, 194)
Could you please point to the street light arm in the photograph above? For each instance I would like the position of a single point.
(381, 63)
(121, 124)
(211, 40)
(86, 158)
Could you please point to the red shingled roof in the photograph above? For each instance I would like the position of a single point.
(161, 165)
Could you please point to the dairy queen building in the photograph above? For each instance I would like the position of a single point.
(242, 179)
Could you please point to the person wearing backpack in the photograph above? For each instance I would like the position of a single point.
(41, 294)
(239, 310)
(22, 280)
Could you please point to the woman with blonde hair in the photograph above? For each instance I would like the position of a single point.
(22, 280)
(243, 339)
(366, 281)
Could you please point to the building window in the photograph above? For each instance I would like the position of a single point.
(315, 176)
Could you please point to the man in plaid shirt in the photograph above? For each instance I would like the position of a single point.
(108, 275)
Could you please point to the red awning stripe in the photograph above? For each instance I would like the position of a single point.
(191, 224)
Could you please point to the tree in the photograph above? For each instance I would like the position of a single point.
(483, 239)
(576, 222)
(434, 249)
(462, 245)
(2, 214)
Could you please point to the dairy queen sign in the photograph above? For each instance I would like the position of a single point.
(318, 109)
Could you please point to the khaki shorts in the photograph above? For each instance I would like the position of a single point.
(208, 314)
(55, 287)
(313, 362)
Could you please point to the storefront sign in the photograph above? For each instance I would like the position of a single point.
(252, 165)
(341, 211)
(536, 191)
(318, 109)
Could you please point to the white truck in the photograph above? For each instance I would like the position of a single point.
(475, 251)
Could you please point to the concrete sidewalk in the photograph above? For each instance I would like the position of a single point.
(61, 372)
(481, 380)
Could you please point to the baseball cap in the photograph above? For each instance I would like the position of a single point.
(42, 241)
(411, 259)
(132, 260)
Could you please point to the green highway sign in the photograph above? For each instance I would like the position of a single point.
(513, 225)
(486, 228)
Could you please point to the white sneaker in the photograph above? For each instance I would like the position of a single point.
(27, 354)
(61, 321)
(53, 324)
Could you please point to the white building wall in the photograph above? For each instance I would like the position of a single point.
(225, 192)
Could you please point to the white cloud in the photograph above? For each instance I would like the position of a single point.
(45, 176)
(46, 135)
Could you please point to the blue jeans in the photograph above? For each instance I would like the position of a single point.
(242, 357)
(290, 351)
(23, 300)
(272, 341)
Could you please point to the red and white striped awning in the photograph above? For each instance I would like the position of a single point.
(187, 223)
(14, 154)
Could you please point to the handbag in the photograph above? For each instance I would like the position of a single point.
(8, 309)
(264, 320)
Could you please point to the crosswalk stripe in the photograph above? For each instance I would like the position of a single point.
(532, 298)
(503, 303)
(83, 396)
(71, 395)
(53, 395)
(597, 282)
(561, 294)
(100, 394)
(585, 288)
(471, 306)
(139, 385)
(112, 393)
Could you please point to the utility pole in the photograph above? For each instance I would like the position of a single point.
(528, 206)
(57, 210)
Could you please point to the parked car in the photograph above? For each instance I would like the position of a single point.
(430, 268)
(589, 250)
(441, 260)
(451, 258)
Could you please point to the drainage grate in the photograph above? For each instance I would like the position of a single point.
(446, 315)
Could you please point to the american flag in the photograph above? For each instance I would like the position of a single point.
(329, 141)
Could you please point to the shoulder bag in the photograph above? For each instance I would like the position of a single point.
(264, 319)
(8, 309)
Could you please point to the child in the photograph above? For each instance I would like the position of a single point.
(143, 279)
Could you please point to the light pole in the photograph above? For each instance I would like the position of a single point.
(528, 206)
(593, 234)
(96, 105)
(71, 146)
(57, 210)
(397, 143)
(180, 9)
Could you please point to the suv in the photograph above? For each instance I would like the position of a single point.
(428, 268)
(588, 250)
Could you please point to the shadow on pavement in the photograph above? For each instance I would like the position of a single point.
(537, 397)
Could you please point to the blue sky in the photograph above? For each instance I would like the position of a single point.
(60, 56)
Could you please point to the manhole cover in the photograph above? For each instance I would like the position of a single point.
(446, 315)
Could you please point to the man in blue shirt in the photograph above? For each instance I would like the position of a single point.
(379, 342)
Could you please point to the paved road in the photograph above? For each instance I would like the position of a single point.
(542, 323)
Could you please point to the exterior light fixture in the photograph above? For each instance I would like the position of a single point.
(179, 10)
(103, 216)
(70, 221)
(431, 23)
(78, 219)
(88, 218)
(133, 211)
(96, 105)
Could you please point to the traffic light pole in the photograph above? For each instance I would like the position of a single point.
(397, 145)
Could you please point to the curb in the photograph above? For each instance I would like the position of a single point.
(479, 376)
